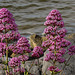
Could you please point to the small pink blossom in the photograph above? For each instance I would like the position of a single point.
(2, 49)
(71, 50)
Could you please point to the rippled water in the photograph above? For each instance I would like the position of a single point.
(30, 14)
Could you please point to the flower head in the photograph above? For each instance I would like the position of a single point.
(37, 51)
(14, 62)
(55, 69)
(23, 57)
(8, 27)
(22, 46)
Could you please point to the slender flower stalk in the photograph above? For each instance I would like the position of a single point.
(7, 60)
(23, 66)
(44, 73)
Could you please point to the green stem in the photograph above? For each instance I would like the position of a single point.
(4, 62)
(24, 73)
(13, 71)
(54, 62)
(7, 54)
(27, 73)
(52, 73)
(7, 61)
(44, 73)
(24, 66)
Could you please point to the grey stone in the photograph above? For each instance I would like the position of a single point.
(34, 69)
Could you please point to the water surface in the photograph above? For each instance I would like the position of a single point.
(30, 14)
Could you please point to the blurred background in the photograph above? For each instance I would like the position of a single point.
(30, 14)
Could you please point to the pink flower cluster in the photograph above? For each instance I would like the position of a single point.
(14, 62)
(6, 20)
(8, 27)
(57, 57)
(54, 18)
(23, 57)
(71, 50)
(2, 49)
(9, 73)
(55, 42)
(54, 69)
(13, 35)
(37, 51)
(62, 32)
(22, 46)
